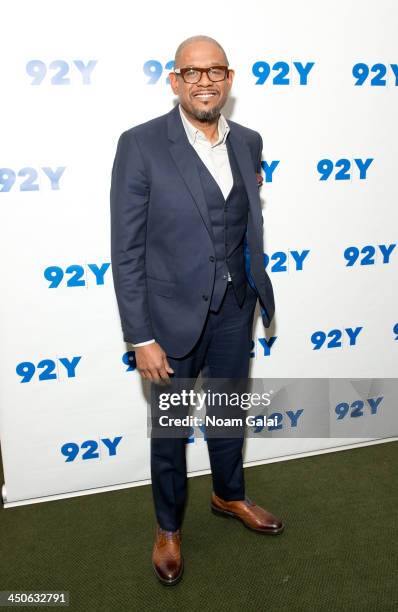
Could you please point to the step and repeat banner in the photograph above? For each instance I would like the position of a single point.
(320, 84)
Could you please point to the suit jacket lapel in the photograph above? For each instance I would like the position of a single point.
(245, 162)
(184, 158)
(254, 236)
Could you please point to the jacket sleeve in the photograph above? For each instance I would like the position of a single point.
(259, 167)
(260, 152)
(129, 197)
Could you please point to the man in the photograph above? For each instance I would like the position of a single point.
(187, 262)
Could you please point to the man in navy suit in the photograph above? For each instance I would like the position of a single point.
(187, 263)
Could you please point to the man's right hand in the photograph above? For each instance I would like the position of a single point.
(152, 362)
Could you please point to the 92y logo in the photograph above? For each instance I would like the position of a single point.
(57, 72)
(90, 449)
(47, 369)
(375, 75)
(31, 179)
(282, 73)
(76, 275)
(346, 169)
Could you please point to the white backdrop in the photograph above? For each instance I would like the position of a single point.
(73, 77)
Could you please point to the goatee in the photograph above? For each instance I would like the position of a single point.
(206, 116)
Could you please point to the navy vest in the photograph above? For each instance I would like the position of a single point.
(229, 223)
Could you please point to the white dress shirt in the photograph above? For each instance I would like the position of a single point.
(215, 158)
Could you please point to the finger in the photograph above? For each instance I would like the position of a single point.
(163, 373)
(167, 366)
(154, 375)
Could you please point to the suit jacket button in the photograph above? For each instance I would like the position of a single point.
(211, 258)
(205, 297)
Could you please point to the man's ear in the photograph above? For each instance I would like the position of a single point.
(231, 74)
(173, 82)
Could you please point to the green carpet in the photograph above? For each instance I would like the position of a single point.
(338, 551)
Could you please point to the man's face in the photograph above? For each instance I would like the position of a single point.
(205, 99)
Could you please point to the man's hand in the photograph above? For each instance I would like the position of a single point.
(152, 362)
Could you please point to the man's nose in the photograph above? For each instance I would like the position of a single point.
(204, 79)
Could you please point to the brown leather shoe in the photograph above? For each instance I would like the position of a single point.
(167, 560)
(252, 516)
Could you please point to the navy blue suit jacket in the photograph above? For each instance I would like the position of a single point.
(161, 236)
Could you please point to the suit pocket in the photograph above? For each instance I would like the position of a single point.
(160, 287)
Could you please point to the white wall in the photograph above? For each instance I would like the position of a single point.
(76, 126)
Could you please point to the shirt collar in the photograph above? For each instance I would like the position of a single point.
(194, 134)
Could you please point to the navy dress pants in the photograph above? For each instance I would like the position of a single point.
(222, 351)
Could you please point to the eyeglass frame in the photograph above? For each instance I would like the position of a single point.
(182, 71)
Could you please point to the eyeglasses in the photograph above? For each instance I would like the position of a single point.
(194, 74)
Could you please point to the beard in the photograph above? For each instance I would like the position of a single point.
(206, 116)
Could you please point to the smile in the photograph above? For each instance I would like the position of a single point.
(205, 95)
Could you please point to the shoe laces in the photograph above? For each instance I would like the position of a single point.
(169, 535)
